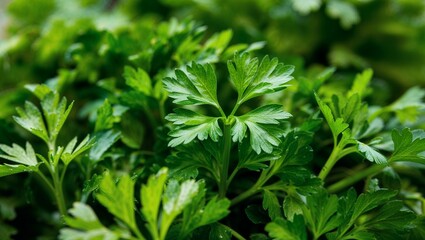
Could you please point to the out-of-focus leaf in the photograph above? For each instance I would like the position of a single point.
(104, 140)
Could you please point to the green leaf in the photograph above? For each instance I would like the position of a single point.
(252, 79)
(407, 147)
(219, 41)
(360, 85)
(262, 124)
(31, 119)
(371, 154)
(249, 159)
(391, 217)
(196, 86)
(337, 126)
(292, 205)
(176, 197)
(197, 214)
(271, 204)
(105, 118)
(368, 201)
(104, 140)
(306, 6)
(71, 152)
(344, 11)
(192, 126)
(350, 208)
(89, 227)
(219, 231)
(39, 90)
(18, 154)
(83, 217)
(150, 196)
(281, 229)
(184, 164)
(256, 214)
(409, 106)
(215, 210)
(418, 232)
(55, 113)
(138, 79)
(8, 169)
(132, 131)
(321, 213)
(118, 199)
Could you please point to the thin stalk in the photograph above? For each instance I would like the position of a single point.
(225, 159)
(46, 181)
(238, 104)
(232, 175)
(346, 182)
(62, 176)
(248, 193)
(333, 158)
(253, 190)
(233, 232)
(60, 200)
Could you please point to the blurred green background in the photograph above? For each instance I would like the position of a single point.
(386, 35)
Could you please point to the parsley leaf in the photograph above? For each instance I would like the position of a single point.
(281, 229)
(25, 157)
(338, 125)
(118, 199)
(192, 125)
(150, 196)
(197, 85)
(252, 78)
(271, 204)
(198, 214)
(371, 153)
(261, 122)
(71, 151)
(407, 147)
(19, 155)
(86, 225)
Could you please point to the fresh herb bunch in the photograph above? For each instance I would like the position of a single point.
(188, 134)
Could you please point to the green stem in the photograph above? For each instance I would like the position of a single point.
(333, 158)
(225, 159)
(46, 181)
(233, 232)
(232, 175)
(348, 181)
(253, 190)
(238, 104)
(60, 200)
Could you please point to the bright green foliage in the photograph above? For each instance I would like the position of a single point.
(196, 86)
(46, 125)
(118, 199)
(271, 204)
(193, 126)
(261, 123)
(182, 117)
(161, 204)
(408, 147)
(252, 78)
(281, 229)
(86, 225)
